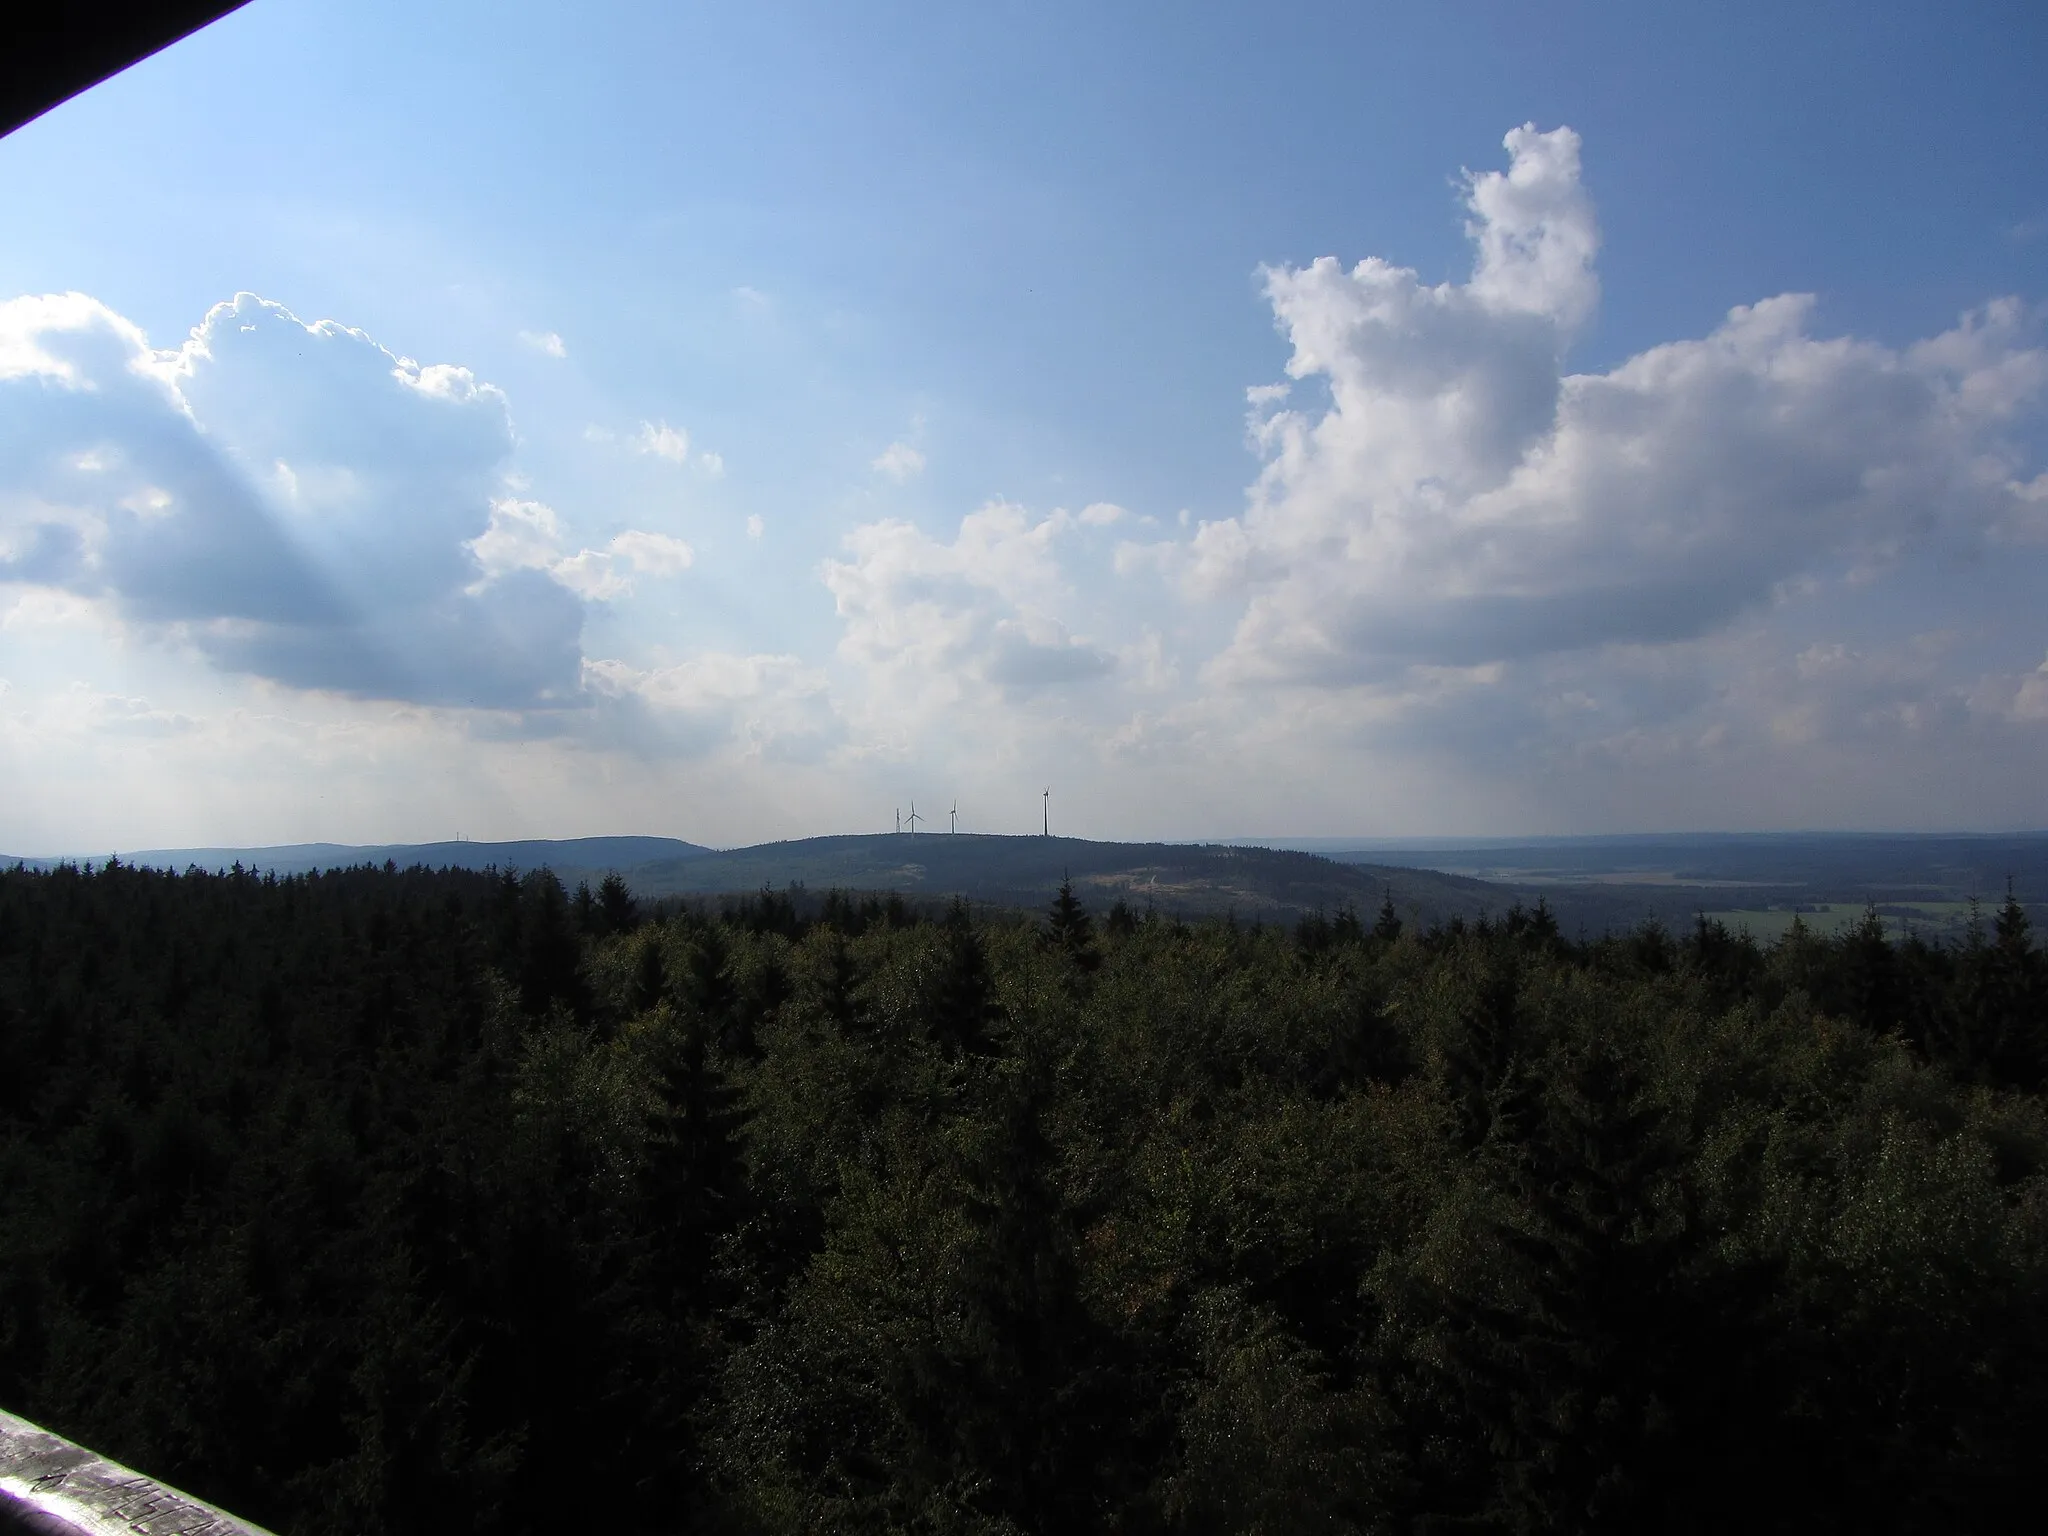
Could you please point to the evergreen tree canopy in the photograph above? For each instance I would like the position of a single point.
(388, 1200)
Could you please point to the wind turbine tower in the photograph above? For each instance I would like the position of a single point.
(955, 815)
(913, 818)
(1045, 815)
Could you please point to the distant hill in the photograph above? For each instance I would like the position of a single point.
(1191, 880)
(1267, 884)
(572, 858)
(1175, 878)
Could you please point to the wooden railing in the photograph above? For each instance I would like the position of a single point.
(54, 1488)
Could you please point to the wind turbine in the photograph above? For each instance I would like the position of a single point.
(1045, 815)
(913, 818)
(955, 814)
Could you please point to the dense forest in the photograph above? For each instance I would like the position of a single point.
(399, 1201)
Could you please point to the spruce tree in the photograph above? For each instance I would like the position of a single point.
(962, 1014)
(1070, 931)
(2010, 987)
(616, 905)
(691, 1197)
(551, 953)
(650, 978)
(1387, 928)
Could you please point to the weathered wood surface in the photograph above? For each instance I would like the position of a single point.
(54, 1488)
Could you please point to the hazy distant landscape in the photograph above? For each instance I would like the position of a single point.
(1759, 881)
(1751, 882)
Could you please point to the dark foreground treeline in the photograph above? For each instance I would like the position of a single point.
(400, 1201)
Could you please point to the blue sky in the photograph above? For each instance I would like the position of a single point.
(734, 422)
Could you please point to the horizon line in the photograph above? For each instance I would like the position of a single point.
(1297, 843)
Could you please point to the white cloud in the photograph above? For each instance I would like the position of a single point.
(1162, 557)
(31, 609)
(593, 574)
(1765, 575)
(60, 336)
(547, 343)
(900, 462)
(527, 535)
(1534, 229)
(1148, 664)
(1462, 499)
(664, 441)
(522, 535)
(657, 554)
(980, 610)
(291, 500)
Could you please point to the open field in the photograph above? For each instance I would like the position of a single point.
(1842, 866)
(1944, 920)
(1757, 881)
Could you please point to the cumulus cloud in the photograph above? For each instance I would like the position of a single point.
(1767, 568)
(527, 536)
(547, 343)
(292, 500)
(658, 554)
(664, 442)
(900, 462)
(521, 536)
(981, 609)
(1461, 498)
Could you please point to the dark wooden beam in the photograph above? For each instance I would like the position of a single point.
(53, 49)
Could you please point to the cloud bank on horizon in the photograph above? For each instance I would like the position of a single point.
(1761, 576)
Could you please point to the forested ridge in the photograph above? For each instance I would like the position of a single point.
(401, 1201)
